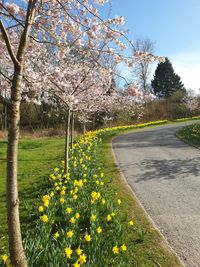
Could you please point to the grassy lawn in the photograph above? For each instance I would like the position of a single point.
(36, 158)
(190, 134)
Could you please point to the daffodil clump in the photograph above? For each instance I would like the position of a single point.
(188, 118)
(79, 221)
(191, 133)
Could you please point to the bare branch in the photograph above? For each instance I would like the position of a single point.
(8, 44)
(25, 35)
(7, 78)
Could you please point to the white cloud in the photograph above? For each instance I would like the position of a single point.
(187, 66)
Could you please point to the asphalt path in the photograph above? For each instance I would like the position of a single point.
(164, 173)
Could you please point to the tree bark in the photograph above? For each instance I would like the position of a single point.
(17, 254)
(84, 128)
(67, 135)
(94, 122)
(72, 129)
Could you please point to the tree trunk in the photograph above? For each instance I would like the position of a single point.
(15, 240)
(5, 114)
(66, 169)
(72, 129)
(84, 128)
(94, 123)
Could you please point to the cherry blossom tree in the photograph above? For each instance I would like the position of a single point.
(59, 25)
(190, 101)
(53, 29)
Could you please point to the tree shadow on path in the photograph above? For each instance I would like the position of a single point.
(169, 169)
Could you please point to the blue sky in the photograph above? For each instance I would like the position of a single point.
(174, 26)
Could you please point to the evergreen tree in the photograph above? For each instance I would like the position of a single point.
(165, 81)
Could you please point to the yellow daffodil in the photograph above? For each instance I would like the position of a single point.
(115, 250)
(79, 251)
(62, 192)
(75, 197)
(68, 210)
(70, 234)
(52, 194)
(77, 215)
(103, 201)
(72, 220)
(109, 218)
(95, 195)
(87, 238)
(40, 208)
(76, 264)
(123, 247)
(56, 235)
(62, 200)
(119, 201)
(56, 169)
(44, 218)
(52, 176)
(45, 197)
(130, 223)
(99, 230)
(46, 203)
(68, 252)
(82, 259)
(4, 258)
(93, 217)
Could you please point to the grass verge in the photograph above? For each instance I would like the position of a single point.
(190, 134)
(36, 158)
(147, 247)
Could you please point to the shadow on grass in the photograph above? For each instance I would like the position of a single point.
(30, 199)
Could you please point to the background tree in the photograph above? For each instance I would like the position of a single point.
(142, 69)
(166, 81)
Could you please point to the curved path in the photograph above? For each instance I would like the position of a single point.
(164, 173)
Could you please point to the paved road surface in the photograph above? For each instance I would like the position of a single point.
(164, 173)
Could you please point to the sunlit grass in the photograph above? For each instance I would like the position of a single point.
(36, 158)
(190, 134)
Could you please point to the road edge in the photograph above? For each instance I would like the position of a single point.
(130, 189)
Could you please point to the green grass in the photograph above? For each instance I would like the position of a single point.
(190, 134)
(36, 158)
(146, 246)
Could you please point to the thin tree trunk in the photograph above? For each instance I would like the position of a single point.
(5, 115)
(84, 128)
(17, 254)
(94, 122)
(72, 129)
(67, 135)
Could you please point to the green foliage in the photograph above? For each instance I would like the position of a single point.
(166, 82)
(190, 134)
